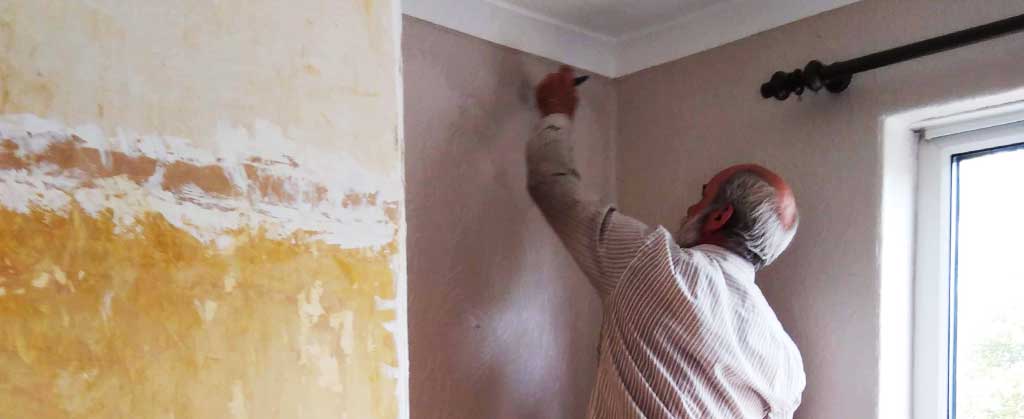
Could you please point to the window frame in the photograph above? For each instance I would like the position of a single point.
(934, 285)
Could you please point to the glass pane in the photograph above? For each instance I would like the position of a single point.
(989, 375)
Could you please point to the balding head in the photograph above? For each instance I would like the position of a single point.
(760, 211)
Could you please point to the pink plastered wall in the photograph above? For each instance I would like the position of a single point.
(502, 323)
(681, 122)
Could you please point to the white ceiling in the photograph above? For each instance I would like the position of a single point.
(613, 18)
(614, 37)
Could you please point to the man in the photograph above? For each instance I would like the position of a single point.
(686, 332)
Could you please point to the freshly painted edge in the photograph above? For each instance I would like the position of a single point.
(514, 27)
(520, 29)
(399, 262)
(711, 27)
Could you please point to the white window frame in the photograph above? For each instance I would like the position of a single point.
(940, 141)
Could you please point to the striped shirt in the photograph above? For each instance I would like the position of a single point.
(686, 332)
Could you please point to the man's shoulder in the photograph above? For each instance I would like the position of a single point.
(660, 248)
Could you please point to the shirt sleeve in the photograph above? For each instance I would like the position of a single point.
(602, 240)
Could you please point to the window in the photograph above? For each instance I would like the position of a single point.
(987, 333)
(969, 280)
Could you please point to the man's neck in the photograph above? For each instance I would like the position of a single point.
(715, 239)
(720, 241)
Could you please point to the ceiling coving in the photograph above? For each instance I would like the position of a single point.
(614, 37)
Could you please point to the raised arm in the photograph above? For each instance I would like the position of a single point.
(600, 239)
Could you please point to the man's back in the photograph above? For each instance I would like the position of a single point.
(687, 334)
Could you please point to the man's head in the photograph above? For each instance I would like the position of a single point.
(747, 209)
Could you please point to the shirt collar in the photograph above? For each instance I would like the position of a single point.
(732, 264)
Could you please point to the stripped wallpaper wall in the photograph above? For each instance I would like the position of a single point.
(201, 209)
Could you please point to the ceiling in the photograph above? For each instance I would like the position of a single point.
(613, 18)
(614, 37)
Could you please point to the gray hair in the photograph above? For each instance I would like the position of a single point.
(755, 230)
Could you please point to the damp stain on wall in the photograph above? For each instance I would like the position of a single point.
(149, 278)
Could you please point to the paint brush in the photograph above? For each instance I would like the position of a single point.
(580, 80)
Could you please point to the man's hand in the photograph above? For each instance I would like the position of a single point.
(557, 94)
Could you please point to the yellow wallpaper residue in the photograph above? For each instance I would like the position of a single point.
(158, 325)
(140, 281)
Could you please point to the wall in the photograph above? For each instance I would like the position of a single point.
(201, 209)
(681, 122)
(502, 323)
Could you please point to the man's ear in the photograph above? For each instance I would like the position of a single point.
(717, 219)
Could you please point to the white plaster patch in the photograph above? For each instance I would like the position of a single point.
(230, 281)
(309, 306)
(320, 181)
(309, 311)
(225, 243)
(384, 305)
(312, 351)
(42, 280)
(390, 371)
(71, 383)
(20, 190)
(105, 306)
(344, 323)
(330, 374)
(60, 276)
(207, 309)
(237, 404)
